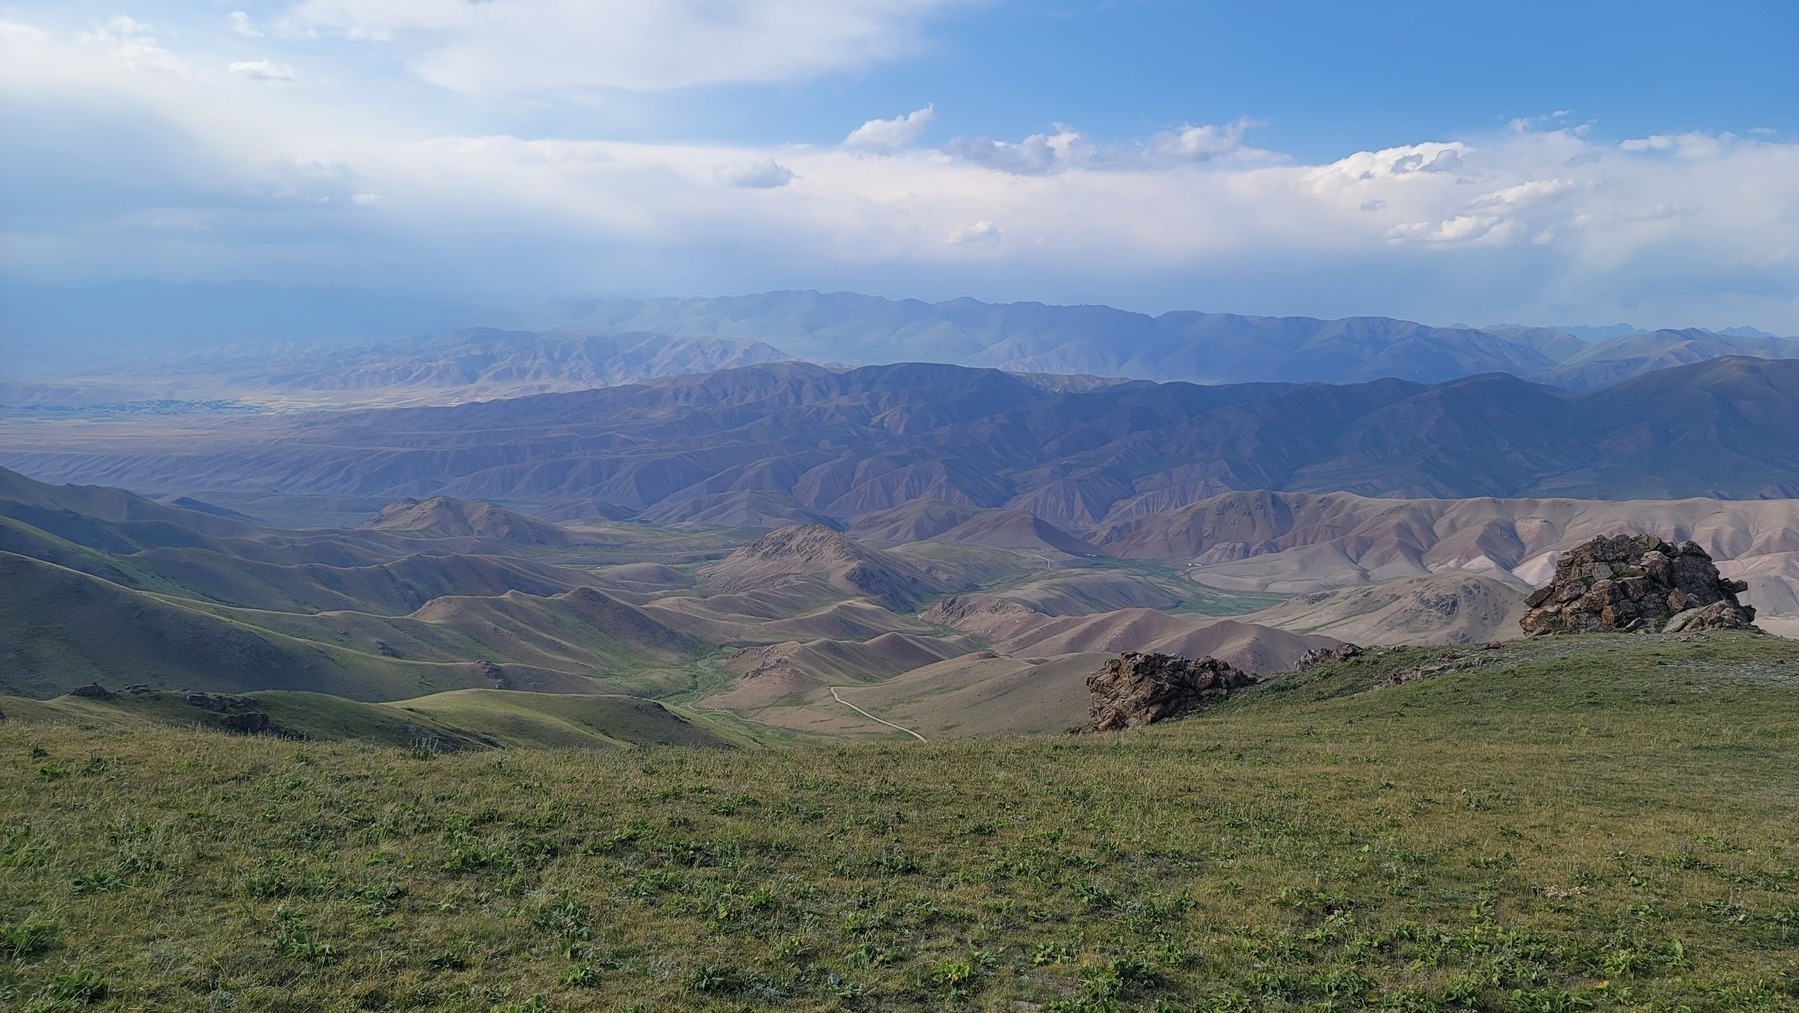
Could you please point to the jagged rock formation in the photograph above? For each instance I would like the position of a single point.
(1135, 689)
(1635, 582)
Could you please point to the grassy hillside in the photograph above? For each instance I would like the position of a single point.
(459, 719)
(1580, 823)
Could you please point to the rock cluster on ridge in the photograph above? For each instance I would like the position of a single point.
(1318, 657)
(1635, 582)
(1135, 689)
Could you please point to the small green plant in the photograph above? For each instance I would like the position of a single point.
(713, 978)
(452, 958)
(871, 954)
(28, 940)
(580, 976)
(1549, 1001)
(952, 978)
(293, 938)
(84, 987)
(96, 882)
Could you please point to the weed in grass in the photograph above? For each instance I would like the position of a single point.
(293, 938)
(82, 988)
(28, 940)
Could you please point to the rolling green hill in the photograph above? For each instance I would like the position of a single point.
(1383, 834)
(440, 722)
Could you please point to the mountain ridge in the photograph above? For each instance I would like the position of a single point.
(816, 444)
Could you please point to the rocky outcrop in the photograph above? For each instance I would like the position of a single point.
(1635, 582)
(1318, 657)
(1135, 689)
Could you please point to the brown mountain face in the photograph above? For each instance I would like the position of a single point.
(796, 441)
(442, 515)
(810, 554)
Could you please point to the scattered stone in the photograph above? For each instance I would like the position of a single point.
(93, 691)
(495, 674)
(1635, 582)
(1442, 666)
(249, 723)
(1720, 615)
(1318, 657)
(218, 703)
(1135, 689)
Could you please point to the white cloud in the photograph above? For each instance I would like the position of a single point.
(887, 137)
(1691, 145)
(240, 23)
(510, 46)
(367, 200)
(1066, 149)
(130, 42)
(981, 233)
(262, 70)
(21, 36)
(762, 174)
(1515, 225)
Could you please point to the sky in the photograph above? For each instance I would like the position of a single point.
(1527, 162)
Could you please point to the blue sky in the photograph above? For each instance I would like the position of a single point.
(1536, 162)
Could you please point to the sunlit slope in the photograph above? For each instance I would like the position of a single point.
(1595, 823)
(460, 719)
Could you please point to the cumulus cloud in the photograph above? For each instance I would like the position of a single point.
(262, 70)
(504, 46)
(981, 233)
(1067, 149)
(1543, 225)
(762, 174)
(886, 137)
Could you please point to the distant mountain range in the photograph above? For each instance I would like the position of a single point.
(72, 344)
(796, 442)
(1181, 345)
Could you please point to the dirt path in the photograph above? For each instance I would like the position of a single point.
(871, 717)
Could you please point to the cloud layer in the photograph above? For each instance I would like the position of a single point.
(231, 156)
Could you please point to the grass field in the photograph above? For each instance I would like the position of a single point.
(1605, 823)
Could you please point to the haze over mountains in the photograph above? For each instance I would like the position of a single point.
(72, 345)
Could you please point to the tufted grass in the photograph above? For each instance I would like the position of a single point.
(1588, 823)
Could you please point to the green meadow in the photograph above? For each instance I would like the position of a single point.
(1582, 823)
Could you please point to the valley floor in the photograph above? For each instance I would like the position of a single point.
(1603, 822)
